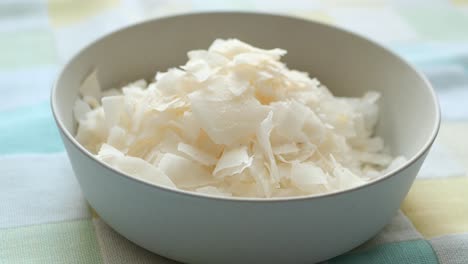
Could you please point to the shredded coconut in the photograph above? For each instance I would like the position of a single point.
(234, 121)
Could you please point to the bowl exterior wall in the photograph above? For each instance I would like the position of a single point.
(197, 229)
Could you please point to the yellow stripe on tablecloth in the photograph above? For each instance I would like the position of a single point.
(460, 2)
(66, 12)
(438, 206)
(355, 3)
(453, 135)
(316, 15)
(64, 242)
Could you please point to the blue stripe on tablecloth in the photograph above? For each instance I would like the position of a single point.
(25, 86)
(29, 129)
(407, 252)
(446, 67)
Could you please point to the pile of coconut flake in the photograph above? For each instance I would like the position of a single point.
(234, 121)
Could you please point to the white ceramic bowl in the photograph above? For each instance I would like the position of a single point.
(199, 229)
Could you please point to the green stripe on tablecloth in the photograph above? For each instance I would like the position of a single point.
(436, 22)
(66, 242)
(29, 47)
(407, 252)
(29, 129)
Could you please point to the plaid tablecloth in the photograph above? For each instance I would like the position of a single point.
(43, 215)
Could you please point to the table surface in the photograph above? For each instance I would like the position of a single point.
(43, 215)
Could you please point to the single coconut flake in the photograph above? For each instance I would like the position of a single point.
(133, 166)
(285, 148)
(117, 137)
(113, 107)
(184, 172)
(90, 86)
(91, 101)
(232, 121)
(260, 174)
(80, 109)
(233, 161)
(263, 137)
(308, 177)
(197, 154)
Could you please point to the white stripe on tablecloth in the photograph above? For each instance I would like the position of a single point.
(441, 163)
(451, 249)
(37, 189)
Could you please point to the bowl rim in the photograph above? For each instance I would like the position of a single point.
(192, 194)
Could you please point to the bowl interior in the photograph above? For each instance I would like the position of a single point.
(347, 64)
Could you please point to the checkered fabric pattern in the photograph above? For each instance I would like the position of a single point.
(43, 215)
